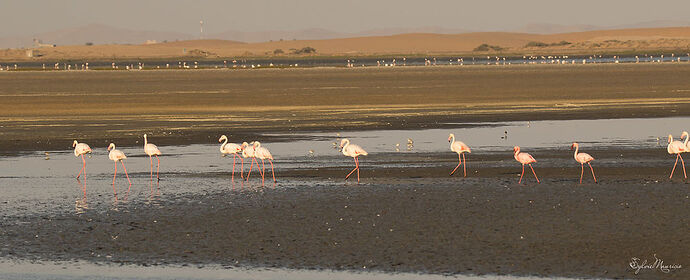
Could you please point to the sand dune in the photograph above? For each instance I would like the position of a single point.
(674, 38)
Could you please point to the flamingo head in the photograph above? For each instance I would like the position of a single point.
(111, 146)
(223, 137)
(245, 145)
(684, 134)
(450, 137)
(256, 144)
(74, 144)
(573, 146)
(344, 142)
(516, 149)
(670, 138)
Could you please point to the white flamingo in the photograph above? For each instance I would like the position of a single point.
(249, 152)
(231, 149)
(152, 150)
(677, 147)
(117, 155)
(263, 154)
(460, 148)
(354, 151)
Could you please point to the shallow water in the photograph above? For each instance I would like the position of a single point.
(40, 183)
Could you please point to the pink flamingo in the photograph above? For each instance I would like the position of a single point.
(263, 153)
(231, 149)
(249, 152)
(117, 155)
(354, 151)
(583, 158)
(151, 150)
(524, 158)
(460, 148)
(677, 147)
(80, 149)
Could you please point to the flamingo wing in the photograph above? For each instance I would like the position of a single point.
(152, 149)
(356, 150)
(525, 158)
(460, 147)
(584, 158)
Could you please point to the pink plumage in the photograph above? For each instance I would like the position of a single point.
(583, 158)
(677, 148)
(231, 149)
(524, 158)
(354, 151)
(460, 148)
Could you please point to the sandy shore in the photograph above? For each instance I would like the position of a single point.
(184, 107)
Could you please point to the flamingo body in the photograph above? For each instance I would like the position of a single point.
(524, 158)
(583, 158)
(231, 149)
(116, 155)
(677, 148)
(263, 154)
(460, 148)
(354, 151)
(152, 150)
(80, 149)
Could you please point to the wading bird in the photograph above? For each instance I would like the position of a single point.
(460, 148)
(151, 150)
(263, 154)
(231, 149)
(249, 152)
(583, 158)
(354, 151)
(677, 147)
(524, 158)
(117, 155)
(80, 149)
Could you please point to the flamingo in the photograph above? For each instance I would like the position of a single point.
(249, 152)
(460, 148)
(80, 149)
(354, 151)
(231, 149)
(263, 153)
(583, 158)
(151, 150)
(117, 155)
(524, 158)
(677, 147)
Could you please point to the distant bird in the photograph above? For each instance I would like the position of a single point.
(397, 147)
(80, 149)
(524, 158)
(263, 154)
(354, 151)
(249, 152)
(677, 147)
(117, 155)
(583, 158)
(410, 142)
(460, 148)
(231, 149)
(151, 150)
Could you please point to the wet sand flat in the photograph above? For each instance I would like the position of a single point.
(187, 106)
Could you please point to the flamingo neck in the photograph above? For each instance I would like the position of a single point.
(576, 149)
(452, 141)
(145, 141)
(347, 143)
(685, 143)
(222, 146)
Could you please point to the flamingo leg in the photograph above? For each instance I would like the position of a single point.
(464, 165)
(242, 169)
(250, 169)
(83, 168)
(535, 174)
(158, 168)
(151, 160)
(263, 165)
(357, 164)
(681, 161)
(674, 166)
(130, 182)
(234, 158)
(353, 170)
(523, 173)
(456, 168)
(590, 167)
(582, 171)
(115, 175)
(272, 172)
(84, 189)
